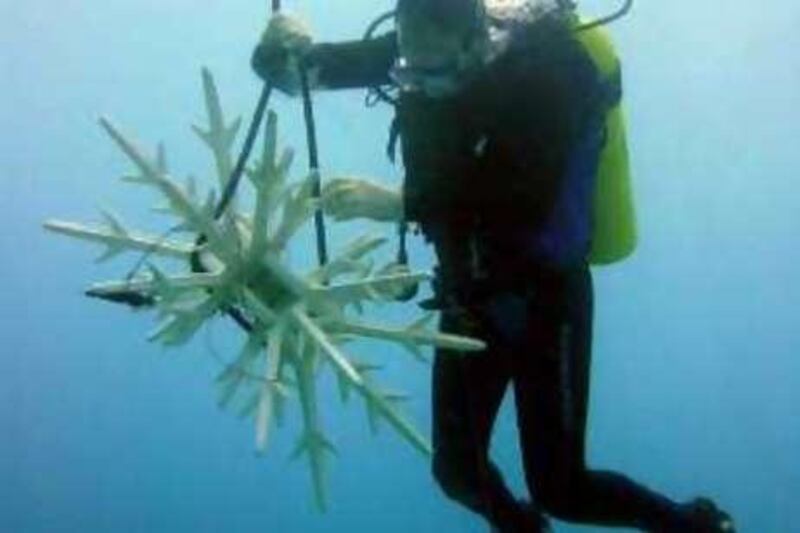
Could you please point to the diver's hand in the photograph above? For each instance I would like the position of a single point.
(349, 198)
(275, 59)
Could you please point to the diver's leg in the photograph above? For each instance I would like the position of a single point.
(467, 393)
(551, 386)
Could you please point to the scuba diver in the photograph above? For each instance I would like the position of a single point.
(506, 111)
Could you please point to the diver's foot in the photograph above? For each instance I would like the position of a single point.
(531, 520)
(534, 520)
(703, 516)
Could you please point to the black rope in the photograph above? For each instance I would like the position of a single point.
(136, 299)
(402, 249)
(313, 163)
(230, 190)
(149, 251)
(244, 155)
(252, 133)
(235, 313)
(238, 316)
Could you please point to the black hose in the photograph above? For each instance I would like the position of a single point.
(377, 93)
(375, 24)
(618, 14)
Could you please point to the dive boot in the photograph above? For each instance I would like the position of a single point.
(530, 520)
(701, 515)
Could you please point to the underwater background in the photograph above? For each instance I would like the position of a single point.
(696, 381)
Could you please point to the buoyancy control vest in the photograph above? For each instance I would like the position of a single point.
(491, 161)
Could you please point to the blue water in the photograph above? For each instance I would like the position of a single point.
(696, 375)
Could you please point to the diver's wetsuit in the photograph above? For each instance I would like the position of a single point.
(500, 178)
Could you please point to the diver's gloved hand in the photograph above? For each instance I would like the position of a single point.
(350, 198)
(283, 44)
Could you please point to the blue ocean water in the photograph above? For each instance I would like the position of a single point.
(695, 381)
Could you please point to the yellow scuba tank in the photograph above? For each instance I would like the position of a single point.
(614, 234)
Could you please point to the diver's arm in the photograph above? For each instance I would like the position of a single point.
(350, 64)
(351, 198)
(353, 64)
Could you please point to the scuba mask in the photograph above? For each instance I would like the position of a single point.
(440, 43)
(434, 81)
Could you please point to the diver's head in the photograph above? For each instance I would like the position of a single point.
(440, 42)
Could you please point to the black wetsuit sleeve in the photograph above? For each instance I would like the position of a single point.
(354, 64)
